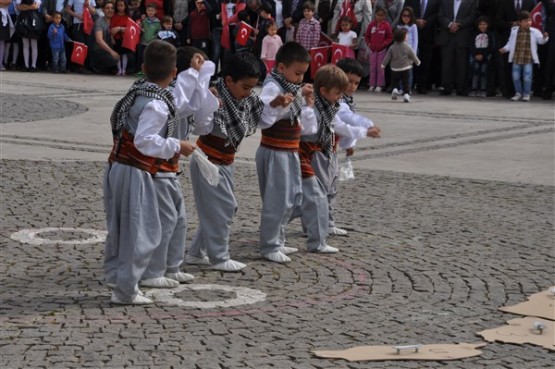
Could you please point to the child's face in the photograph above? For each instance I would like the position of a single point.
(354, 81)
(120, 6)
(272, 30)
(483, 26)
(134, 5)
(345, 26)
(150, 12)
(332, 95)
(525, 23)
(308, 14)
(405, 17)
(380, 16)
(57, 19)
(241, 89)
(294, 72)
(168, 26)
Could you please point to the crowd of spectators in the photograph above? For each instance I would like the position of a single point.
(459, 42)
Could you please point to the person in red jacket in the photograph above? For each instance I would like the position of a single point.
(378, 36)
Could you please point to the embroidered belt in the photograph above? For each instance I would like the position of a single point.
(218, 150)
(282, 136)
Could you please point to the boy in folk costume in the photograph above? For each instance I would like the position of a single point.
(277, 158)
(190, 87)
(359, 126)
(238, 116)
(142, 164)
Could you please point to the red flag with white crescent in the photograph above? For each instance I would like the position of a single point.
(537, 17)
(131, 35)
(79, 53)
(88, 23)
(243, 33)
(318, 58)
(338, 52)
(324, 40)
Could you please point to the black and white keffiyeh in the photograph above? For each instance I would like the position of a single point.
(350, 101)
(326, 113)
(293, 89)
(118, 119)
(237, 119)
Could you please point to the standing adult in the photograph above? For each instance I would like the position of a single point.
(456, 23)
(426, 12)
(505, 20)
(393, 10)
(76, 8)
(104, 57)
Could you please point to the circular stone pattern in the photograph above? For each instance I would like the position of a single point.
(74, 236)
(28, 108)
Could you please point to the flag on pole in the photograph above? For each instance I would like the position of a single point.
(537, 16)
(243, 33)
(318, 58)
(270, 64)
(324, 40)
(88, 23)
(131, 35)
(338, 52)
(79, 53)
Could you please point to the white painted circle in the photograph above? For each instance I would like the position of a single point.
(244, 296)
(29, 236)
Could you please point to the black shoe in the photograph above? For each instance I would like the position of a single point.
(32, 70)
(446, 93)
(462, 93)
(547, 95)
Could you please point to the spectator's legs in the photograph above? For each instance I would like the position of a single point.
(63, 61)
(55, 60)
(527, 77)
(373, 57)
(2, 50)
(381, 73)
(483, 75)
(25, 42)
(447, 63)
(517, 82)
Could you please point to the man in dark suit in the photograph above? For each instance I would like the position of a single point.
(426, 12)
(506, 19)
(456, 22)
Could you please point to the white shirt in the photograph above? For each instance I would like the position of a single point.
(346, 38)
(457, 5)
(279, 14)
(354, 120)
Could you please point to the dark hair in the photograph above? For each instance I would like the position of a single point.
(241, 66)
(346, 19)
(126, 10)
(184, 56)
(330, 76)
(378, 9)
(167, 19)
(269, 24)
(409, 10)
(266, 7)
(351, 66)
(108, 2)
(291, 52)
(481, 19)
(159, 60)
(151, 5)
(523, 15)
(55, 13)
(309, 5)
(399, 35)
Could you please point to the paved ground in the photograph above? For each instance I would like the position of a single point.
(451, 215)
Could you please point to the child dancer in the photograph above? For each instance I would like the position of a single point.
(481, 47)
(346, 114)
(141, 171)
(117, 24)
(191, 87)
(408, 22)
(347, 36)
(401, 57)
(377, 37)
(277, 158)
(241, 110)
(57, 36)
(523, 53)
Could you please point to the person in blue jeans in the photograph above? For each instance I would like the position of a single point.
(523, 53)
(57, 36)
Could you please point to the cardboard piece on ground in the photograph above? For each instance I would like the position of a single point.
(438, 352)
(523, 330)
(541, 304)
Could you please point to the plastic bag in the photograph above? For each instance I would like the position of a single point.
(209, 171)
(346, 172)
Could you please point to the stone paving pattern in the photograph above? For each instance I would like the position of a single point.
(429, 259)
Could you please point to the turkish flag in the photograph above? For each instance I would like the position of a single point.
(270, 64)
(225, 40)
(346, 11)
(338, 52)
(131, 35)
(79, 53)
(243, 33)
(324, 40)
(536, 15)
(88, 23)
(318, 58)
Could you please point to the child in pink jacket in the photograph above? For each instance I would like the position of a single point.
(378, 36)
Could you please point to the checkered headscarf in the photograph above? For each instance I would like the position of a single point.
(293, 89)
(142, 88)
(350, 101)
(237, 119)
(327, 112)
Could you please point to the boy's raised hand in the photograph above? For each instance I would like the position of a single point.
(373, 132)
(186, 148)
(307, 90)
(282, 100)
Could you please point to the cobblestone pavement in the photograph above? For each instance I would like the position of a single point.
(428, 259)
